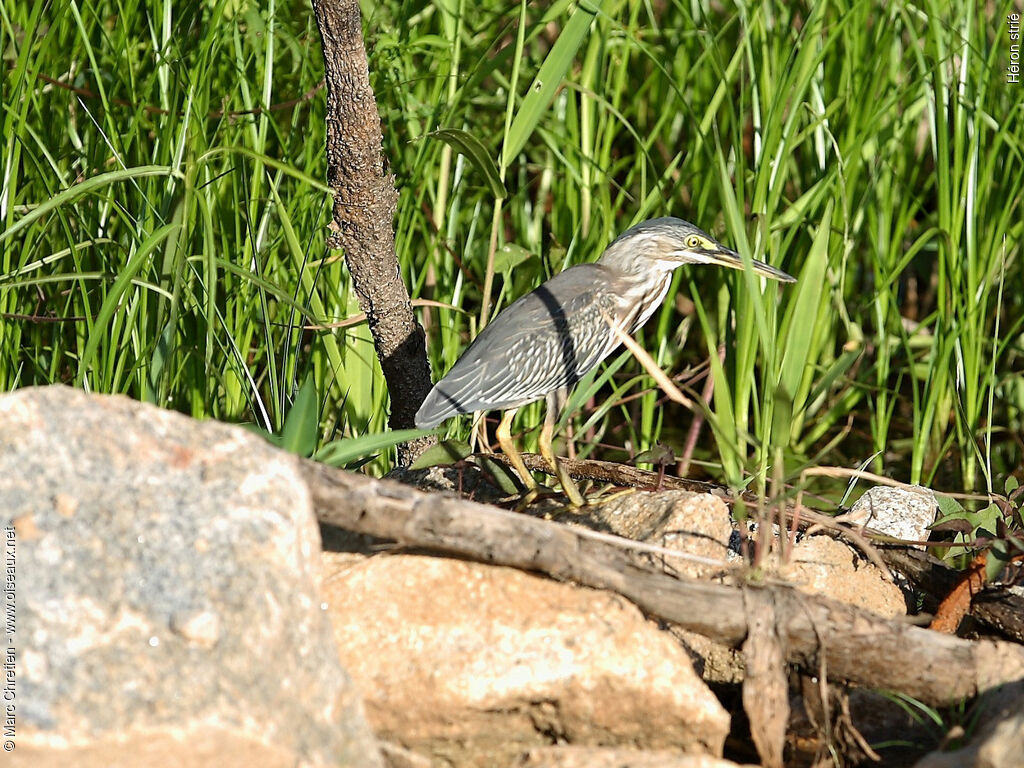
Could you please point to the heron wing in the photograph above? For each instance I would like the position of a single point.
(546, 340)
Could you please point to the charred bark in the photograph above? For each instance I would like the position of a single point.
(365, 199)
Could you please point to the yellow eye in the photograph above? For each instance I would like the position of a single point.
(694, 241)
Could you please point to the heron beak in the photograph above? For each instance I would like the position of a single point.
(726, 257)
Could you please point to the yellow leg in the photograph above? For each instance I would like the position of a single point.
(546, 434)
(508, 447)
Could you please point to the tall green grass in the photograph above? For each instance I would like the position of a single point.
(163, 216)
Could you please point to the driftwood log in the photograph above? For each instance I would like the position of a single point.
(819, 635)
(996, 607)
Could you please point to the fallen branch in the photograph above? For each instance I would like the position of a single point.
(856, 646)
(997, 607)
(622, 475)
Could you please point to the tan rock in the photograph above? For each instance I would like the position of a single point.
(474, 664)
(198, 747)
(400, 757)
(824, 566)
(713, 661)
(606, 757)
(696, 524)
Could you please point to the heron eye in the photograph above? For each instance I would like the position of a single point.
(693, 241)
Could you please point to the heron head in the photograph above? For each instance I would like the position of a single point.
(667, 243)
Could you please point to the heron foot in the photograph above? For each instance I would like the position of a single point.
(612, 496)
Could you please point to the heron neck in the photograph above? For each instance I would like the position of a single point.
(644, 297)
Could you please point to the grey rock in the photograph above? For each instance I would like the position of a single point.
(167, 602)
(903, 513)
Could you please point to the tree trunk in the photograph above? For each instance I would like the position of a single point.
(364, 212)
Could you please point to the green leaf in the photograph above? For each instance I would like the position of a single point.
(998, 556)
(987, 519)
(510, 256)
(450, 452)
(501, 474)
(545, 84)
(99, 331)
(302, 423)
(342, 452)
(804, 317)
(949, 507)
(78, 190)
(469, 145)
(161, 354)
(256, 429)
(802, 322)
(838, 368)
(445, 453)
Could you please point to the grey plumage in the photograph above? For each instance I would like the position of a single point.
(546, 340)
(552, 337)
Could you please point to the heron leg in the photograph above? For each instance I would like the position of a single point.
(508, 447)
(547, 433)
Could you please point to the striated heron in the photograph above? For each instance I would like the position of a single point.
(549, 339)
